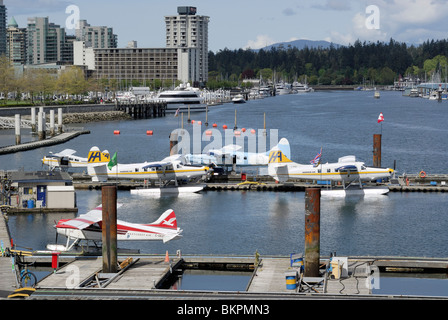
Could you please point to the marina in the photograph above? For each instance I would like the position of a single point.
(390, 229)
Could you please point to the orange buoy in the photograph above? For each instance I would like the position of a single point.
(116, 131)
(244, 129)
(208, 132)
(215, 125)
(252, 131)
(192, 121)
(224, 127)
(199, 122)
(149, 132)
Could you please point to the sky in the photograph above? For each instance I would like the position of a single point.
(236, 24)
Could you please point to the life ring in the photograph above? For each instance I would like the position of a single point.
(422, 174)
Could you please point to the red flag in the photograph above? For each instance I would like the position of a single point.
(380, 118)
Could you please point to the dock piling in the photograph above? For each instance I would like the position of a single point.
(17, 125)
(377, 150)
(109, 228)
(312, 232)
(173, 143)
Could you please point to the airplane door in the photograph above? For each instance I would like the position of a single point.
(41, 195)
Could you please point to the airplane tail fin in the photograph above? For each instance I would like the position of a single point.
(283, 146)
(96, 157)
(277, 156)
(97, 164)
(278, 165)
(166, 220)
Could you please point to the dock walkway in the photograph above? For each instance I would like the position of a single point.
(60, 138)
(8, 278)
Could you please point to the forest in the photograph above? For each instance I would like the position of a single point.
(379, 63)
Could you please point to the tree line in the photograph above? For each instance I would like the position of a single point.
(374, 62)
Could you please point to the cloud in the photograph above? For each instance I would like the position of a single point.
(402, 20)
(337, 5)
(261, 42)
(289, 12)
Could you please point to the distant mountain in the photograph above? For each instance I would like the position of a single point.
(301, 44)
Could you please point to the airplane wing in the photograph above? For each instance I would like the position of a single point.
(84, 220)
(64, 153)
(226, 150)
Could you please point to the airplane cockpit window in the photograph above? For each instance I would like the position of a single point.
(363, 168)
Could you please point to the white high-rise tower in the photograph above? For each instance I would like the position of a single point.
(189, 33)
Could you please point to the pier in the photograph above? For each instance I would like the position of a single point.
(142, 110)
(57, 139)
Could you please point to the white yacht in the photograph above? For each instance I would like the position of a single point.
(298, 87)
(183, 98)
(239, 98)
(282, 88)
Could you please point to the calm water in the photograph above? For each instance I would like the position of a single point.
(233, 222)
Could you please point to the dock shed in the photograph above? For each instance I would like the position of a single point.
(42, 190)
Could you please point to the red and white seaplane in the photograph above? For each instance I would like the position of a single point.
(89, 227)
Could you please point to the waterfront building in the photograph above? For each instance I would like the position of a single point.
(16, 43)
(98, 37)
(2, 28)
(136, 64)
(185, 57)
(46, 42)
(190, 31)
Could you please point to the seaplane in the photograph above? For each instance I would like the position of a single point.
(64, 160)
(348, 172)
(226, 155)
(175, 168)
(88, 227)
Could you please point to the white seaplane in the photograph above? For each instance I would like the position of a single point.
(64, 160)
(347, 171)
(171, 169)
(226, 155)
(89, 227)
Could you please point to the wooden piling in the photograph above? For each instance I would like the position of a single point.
(377, 150)
(312, 232)
(109, 228)
(173, 143)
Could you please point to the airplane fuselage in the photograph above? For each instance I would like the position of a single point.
(144, 171)
(65, 162)
(125, 231)
(333, 172)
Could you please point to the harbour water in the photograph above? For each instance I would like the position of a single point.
(414, 136)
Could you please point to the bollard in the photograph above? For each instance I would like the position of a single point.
(312, 232)
(54, 260)
(109, 228)
(377, 150)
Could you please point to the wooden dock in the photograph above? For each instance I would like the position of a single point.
(8, 277)
(144, 277)
(57, 139)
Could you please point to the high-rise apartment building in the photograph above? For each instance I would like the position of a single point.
(2, 28)
(96, 37)
(46, 42)
(16, 43)
(190, 31)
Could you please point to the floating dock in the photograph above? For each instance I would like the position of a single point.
(149, 276)
(57, 139)
(146, 277)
